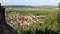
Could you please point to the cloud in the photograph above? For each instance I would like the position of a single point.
(52, 0)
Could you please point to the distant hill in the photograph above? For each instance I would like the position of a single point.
(23, 6)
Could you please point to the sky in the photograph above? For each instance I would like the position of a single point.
(30, 2)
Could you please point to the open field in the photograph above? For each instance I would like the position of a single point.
(32, 11)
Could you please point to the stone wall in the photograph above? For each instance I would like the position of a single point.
(4, 27)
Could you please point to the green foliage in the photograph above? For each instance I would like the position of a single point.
(52, 22)
(58, 17)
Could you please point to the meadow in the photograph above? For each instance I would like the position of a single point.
(34, 20)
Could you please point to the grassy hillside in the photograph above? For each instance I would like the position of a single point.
(50, 23)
